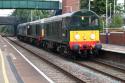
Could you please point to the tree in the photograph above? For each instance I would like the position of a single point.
(117, 21)
(84, 4)
(119, 8)
(99, 6)
(124, 4)
(24, 15)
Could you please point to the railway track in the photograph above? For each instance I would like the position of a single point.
(92, 65)
(104, 68)
(110, 64)
(55, 66)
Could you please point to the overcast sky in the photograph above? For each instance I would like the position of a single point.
(6, 12)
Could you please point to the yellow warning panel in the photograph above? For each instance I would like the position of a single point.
(86, 35)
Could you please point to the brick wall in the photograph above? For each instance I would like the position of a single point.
(70, 5)
(117, 38)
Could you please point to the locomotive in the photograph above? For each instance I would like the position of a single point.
(74, 34)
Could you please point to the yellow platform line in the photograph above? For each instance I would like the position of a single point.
(3, 68)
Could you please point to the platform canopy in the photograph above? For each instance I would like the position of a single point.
(30, 4)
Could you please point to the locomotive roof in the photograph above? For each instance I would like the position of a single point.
(60, 17)
(33, 22)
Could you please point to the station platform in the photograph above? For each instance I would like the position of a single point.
(113, 48)
(14, 68)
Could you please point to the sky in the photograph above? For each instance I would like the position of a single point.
(7, 12)
(120, 1)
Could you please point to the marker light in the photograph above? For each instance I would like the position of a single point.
(92, 36)
(82, 17)
(77, 36)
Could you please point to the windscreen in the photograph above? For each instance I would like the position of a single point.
(85, 22)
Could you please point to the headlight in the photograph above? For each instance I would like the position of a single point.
(92, 36)
(77, 36)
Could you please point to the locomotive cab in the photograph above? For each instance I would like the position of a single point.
(83, 30)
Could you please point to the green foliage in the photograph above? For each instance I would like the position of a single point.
(99, 6)
(6, 30)
(102, 23)
(84, 4)
(119, 8)
(24, 15)
(117, 21)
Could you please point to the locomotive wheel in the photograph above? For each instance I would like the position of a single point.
(43, 45)
(64, 51)
(84, 54)
(37, 43)
(74, 55)
(91, 53)
(70, 54)
(96, 52)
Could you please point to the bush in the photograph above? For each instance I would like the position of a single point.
(117, 21)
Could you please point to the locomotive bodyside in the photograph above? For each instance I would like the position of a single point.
(30, 32)
(76, 32)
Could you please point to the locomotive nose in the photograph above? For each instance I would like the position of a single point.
(85, 46)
